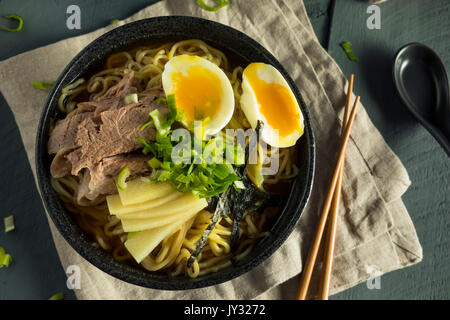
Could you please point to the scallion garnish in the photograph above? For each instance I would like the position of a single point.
(9, 223)
(159, 121)
(5, 258)
(239, 185)
(202, 179)
(122, 177)
(131, 98)
(114, 21)
(57, 296)
(43, 85)
(15, 17)
(347, 46)
(161, 100)
(203, 5)
(154, 163)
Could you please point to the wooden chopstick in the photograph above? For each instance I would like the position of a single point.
(327, 264)
(313, 251)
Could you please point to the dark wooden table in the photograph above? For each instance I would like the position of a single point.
(36, 273)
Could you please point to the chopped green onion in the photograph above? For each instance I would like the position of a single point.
(15, 17)
(132, 98)
(57, 296)
(161, 100)
(347, 46)
(203, 180)
(157, 119)
(146, 147)
(203, 5)
(160, 122)
(177, 115)
(5, 258)
(43, 85)
(114, 21)
(154, 163)
(9, 223)
(239, 185)
(122, 177)
(145, 125)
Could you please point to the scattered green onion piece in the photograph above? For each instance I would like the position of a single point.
(43, 85)
(5, 258)
(203, 5)
(131, 98)
(172, 105)
(154, 163)
(146, 147)
(9, 223)
(145, 125)
(122, 177)
(114, 21)
(177, 115)
(57, 296)
(161, 125)
(347, 46)
(239, 185)
(15, 17)
(161, 100)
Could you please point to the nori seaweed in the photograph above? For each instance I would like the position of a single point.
(244, 199)
(236, 202)
(222, 209)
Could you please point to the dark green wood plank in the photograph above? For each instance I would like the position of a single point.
(45, 20)
(319, 13)
(428, 198)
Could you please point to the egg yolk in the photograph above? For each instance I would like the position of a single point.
(198, 92)
(276, 102)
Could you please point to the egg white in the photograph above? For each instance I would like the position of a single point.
(251, 107)
(181, 64)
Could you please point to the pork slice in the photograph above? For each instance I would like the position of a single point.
(149, 96)
(101, 180)
(64, 133)
(111, 133)
(123, 88)
(83, 189)
(60, 166)
(114, 97)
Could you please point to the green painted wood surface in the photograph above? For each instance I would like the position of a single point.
(36, 272)
(428, 198)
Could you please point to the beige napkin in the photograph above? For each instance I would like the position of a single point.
(375, 232)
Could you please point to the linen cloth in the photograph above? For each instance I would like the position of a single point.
(375, 233)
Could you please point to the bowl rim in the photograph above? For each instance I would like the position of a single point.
(99, 260)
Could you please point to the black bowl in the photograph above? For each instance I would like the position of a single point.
(238, 46)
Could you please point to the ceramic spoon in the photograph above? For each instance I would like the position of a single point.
(422, 84)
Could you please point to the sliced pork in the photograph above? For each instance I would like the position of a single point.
(111, 133)
(64, 134)
(101, 179)
(96, 139)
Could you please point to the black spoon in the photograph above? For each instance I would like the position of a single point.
(422, 84)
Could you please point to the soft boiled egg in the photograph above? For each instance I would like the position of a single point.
(202, 90)
(268, 98)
